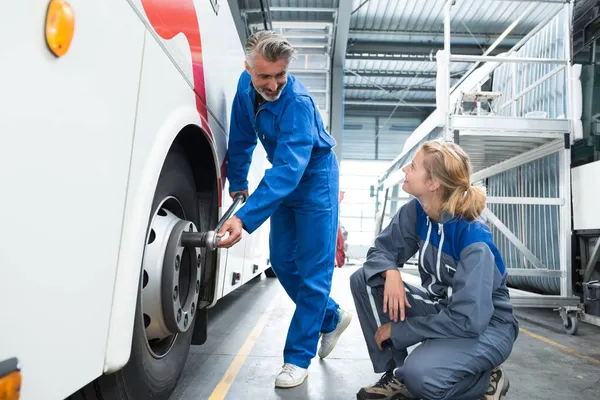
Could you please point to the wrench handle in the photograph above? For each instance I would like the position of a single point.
(239, 198)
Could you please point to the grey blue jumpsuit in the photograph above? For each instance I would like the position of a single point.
(300, 195)
(461, 316)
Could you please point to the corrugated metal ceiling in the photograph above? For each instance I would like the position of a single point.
(379, 26)
(400, 66)
(390, 60)
(479, 16)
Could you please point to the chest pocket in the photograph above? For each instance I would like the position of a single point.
(266, 127)
(448, 268)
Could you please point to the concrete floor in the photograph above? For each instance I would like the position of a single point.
(545, 362)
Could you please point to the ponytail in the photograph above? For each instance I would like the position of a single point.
(467, 204)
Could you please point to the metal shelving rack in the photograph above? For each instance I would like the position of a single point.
(499, 143)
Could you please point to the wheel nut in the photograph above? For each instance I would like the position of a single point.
(175, 293)
(197, 287)
(193, 308)
(178, 315)
(199, 261)
(177, 263)
(185, 321)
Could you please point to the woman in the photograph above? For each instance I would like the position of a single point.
(462, 315)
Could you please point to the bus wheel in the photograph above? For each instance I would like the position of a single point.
(168, 293)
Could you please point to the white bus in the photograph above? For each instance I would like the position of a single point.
(114, 118)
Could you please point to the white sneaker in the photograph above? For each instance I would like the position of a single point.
(329, 340)
(290, 376)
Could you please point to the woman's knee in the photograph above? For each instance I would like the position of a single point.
(421, 379)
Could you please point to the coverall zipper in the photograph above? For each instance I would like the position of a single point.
(433, 280)
(439, 254)
(255, 118)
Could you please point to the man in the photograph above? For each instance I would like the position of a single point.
(299, 193)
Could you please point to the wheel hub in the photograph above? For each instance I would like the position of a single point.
(181, 280)
(171, 276)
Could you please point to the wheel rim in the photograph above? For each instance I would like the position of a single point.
(170, 278)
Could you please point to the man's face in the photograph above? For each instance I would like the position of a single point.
(268, 78)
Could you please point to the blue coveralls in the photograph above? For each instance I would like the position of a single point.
(300, 194)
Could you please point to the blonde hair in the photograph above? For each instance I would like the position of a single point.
(451, 166)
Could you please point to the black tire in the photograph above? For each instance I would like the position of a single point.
(269, 273)
(145, 377)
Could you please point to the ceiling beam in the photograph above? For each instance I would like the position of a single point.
(393, 74)
(389, 57)
(392, 88)
(415, 48)
(292, 9)
(385, 111)
(300, 25)
(410, 36)
(388, 103)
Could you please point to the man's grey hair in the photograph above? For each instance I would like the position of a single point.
(270, 45)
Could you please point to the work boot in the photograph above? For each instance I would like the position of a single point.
(388, 388)
(498, 385)
(329, 340)
(290, 376)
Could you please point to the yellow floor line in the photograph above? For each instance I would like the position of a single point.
(560, 346)
(236, 365)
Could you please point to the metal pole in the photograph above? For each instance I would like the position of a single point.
(568, 7)
(566, 283)
(447, 29)
(379, 226)
(513, 69)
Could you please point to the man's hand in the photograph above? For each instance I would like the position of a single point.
(244, 192)
(383, 333)
(234, 226)
(394, 296)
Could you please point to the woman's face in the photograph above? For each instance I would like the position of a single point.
(417, 181)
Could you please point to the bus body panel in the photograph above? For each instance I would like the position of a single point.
(67, 127)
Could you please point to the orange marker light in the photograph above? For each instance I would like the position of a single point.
(60, 26)
(10, 386)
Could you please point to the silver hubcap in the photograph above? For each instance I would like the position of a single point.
(171, 278)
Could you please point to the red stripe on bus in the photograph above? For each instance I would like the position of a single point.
(170, 18)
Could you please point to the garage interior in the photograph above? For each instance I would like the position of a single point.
(371, 67)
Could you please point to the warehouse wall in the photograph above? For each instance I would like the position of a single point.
(369, 145)
(375, 138)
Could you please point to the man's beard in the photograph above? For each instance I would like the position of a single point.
(270, 98)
